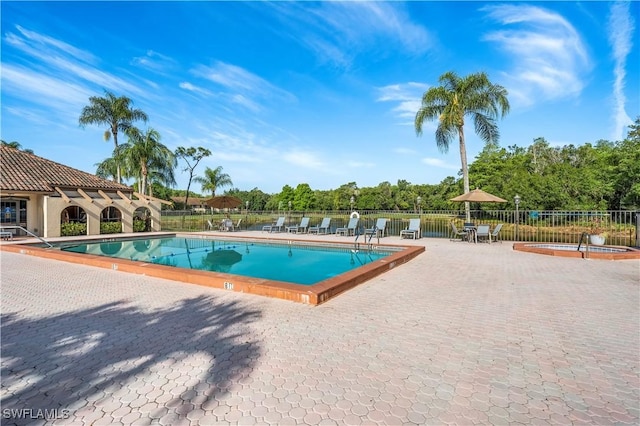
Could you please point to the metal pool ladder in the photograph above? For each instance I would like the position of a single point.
(582, 237)
(28, 232)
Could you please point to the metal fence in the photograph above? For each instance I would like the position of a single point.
(620, 227)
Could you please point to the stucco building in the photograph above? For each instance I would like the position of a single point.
(50, 199)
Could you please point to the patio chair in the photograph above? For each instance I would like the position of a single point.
(323, 228)
(302, 228)
(350, 229)
(226, 225)
(277, 225)
(379, 229)
(210, 225)
(413, 231)
(483, 234)
(231, 227)
(455, 233)
(495, 234)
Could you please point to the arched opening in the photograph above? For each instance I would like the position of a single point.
(142, 220)
(110, 221)
(73, 221)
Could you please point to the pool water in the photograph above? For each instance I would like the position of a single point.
(278, 261)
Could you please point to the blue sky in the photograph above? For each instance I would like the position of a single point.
(323, 93)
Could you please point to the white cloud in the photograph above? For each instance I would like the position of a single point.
(64, 64)
(549, 57)
(436, 162)
(338, 31)
(154, 61)
(193, 88)
(242, 87)
(621, 28)
(56, 94)
(407, 98)
(304, 159)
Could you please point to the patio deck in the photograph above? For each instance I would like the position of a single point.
(469, 334)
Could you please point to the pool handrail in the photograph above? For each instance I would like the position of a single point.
(28, 232)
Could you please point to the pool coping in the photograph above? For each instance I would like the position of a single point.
(312, 294)
(630, 254)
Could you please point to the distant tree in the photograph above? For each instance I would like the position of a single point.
(16, 145)
(303, 197)
(116, 113)
(474, 96)
(213, 180)
(147, 158)
(192, 156)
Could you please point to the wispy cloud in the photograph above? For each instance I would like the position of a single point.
(62, 97)
(27, 39)
(436, 162)
(621, 28)
(407, 98)
(338, 31)
(155, 62)
(193, 88)
(59, 65)
(549, 57)
(242, 87)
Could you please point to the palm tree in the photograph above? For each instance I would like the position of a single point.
(213, 180)
(474, 96)
(145, 157)
(107, 168)
(115, 112)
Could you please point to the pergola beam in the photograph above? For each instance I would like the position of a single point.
(124, 197)
(63, 195)
(147, 198)
(105, 196)
(85, 195)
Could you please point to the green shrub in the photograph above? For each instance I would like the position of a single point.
(139, 226)
(110, 227)
(72, 229)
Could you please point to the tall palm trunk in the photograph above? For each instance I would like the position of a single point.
(143, 178)
(114, 132)
(465, 171)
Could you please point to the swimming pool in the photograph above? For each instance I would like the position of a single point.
(313, 294)
(288, 261)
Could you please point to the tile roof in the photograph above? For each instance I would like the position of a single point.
(21, 171)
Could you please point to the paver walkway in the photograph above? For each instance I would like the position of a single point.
(463, 334)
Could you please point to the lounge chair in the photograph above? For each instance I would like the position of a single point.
(455, 233)
(210, 225)
(413, 231)
(495, 234)
(226, 225)
(350, 229)
(323, 228)
(302, 228)
(277, 225)
(229, 226)
(378, 230)
(483, 234)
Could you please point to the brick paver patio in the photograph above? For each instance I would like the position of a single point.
(463, 334)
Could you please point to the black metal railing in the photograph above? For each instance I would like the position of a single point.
(619, 227)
